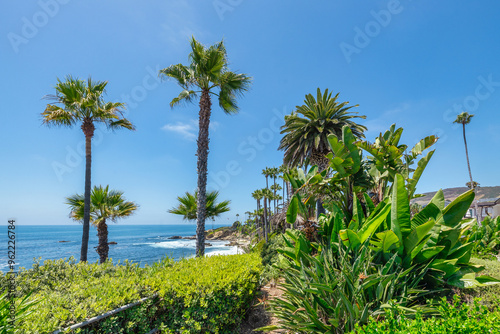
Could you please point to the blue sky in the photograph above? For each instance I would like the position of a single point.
(413, 63)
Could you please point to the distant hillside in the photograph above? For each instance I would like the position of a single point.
(451, 193)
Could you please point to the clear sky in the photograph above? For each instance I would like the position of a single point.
(413, 63)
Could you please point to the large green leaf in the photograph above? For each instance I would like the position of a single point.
(430, 211)
(417, 235)
(400, 210)
(470, 281)
(293, 208)
(422, 163)
(385, 241)
(371, 225)
(350, 238)
(456, 210)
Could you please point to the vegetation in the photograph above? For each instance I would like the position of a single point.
(207, 72)
(364, 258)
(105, 205)
(77, 101)
(187, 207)
(485, 235)
(455, 317)
(187, 301)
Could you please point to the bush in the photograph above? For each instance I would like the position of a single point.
(454, 318)
(202, 295)
(207, 295)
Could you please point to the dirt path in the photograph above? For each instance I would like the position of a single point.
(259, 316)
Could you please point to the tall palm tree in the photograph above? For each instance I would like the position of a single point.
(306, 131)
(188, 206)
(257, 195)
(80, 102)
(273, 173)
(207, 74)
(105, 205)
(267, 195)
(464, 118)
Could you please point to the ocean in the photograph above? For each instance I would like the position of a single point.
(143, 244)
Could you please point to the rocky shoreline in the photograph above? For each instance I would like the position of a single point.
(230, 234)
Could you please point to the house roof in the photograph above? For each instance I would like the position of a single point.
(488, 201)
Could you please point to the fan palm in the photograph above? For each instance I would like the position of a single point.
(105, 205)
(257, 195)
(188, 206)
(80, 102)
(307, 129)
(464, 118)
(207, 74)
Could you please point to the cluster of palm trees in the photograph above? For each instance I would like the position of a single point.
(82, 102)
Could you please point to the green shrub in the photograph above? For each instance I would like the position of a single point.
(202, 295)
(209, 295)
(453, 318)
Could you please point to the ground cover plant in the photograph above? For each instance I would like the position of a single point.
(187, 302)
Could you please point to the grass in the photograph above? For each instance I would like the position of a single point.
(490, 295)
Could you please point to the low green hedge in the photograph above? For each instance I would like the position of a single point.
(202, 295)
(454, 317)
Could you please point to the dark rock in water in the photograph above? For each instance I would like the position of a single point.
(208, 244)
(232, 243)
(112, 243)
(193, 237)
(64, 241)
(175, 237)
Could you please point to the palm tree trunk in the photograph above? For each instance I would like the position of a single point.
(265, 219)
(274, 193)
(257, 216)
(470, 174)
(283, 199)
(103, 247)
(88, 130)
(202, 153)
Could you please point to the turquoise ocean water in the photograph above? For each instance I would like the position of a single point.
(144, 244)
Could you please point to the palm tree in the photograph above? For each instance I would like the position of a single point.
(105, 205)
(274, 172)
(257, 195)
(207, 72)
(188, 206)
(75, 102)
(267, 194)
(306, 131)
(465, 118)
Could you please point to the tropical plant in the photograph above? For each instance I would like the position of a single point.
(105, 205)
(307, 129)
(485, 235)
(77, 101)
(207, 72)
(188, 203)
(464, 118)
(389, 157)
